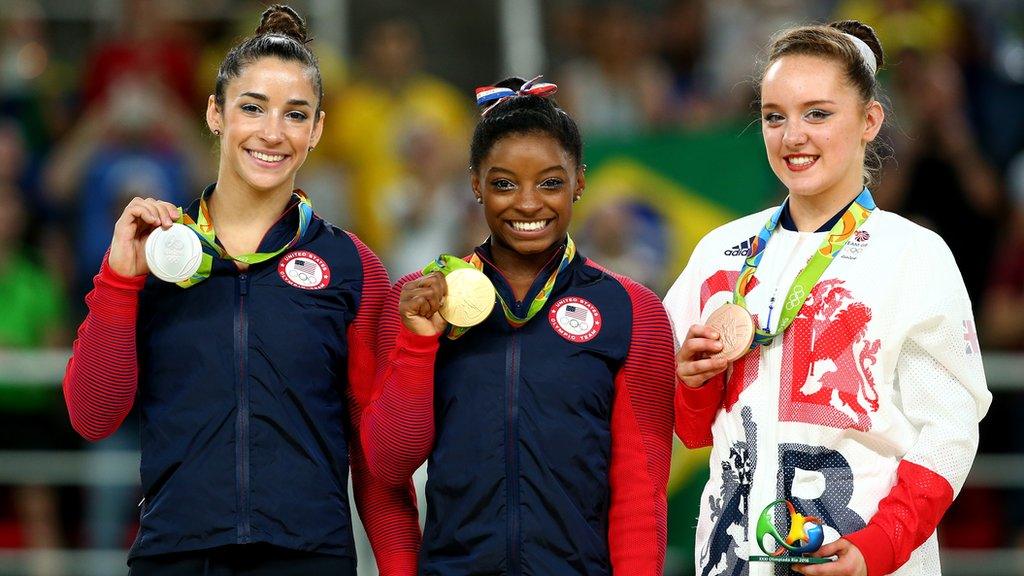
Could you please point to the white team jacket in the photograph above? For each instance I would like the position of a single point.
(881, 365)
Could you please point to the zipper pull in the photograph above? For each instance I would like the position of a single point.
(243, 284)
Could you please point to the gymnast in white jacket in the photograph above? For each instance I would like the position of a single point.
(858, 399)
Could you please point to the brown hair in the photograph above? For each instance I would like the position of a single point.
(281, 34)
(830, 42)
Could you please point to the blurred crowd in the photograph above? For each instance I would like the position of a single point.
(116, 112)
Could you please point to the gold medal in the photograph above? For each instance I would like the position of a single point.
(735, 328)
(470, 297)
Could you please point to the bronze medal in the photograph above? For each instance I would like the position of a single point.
(735, 328)
(470, 297)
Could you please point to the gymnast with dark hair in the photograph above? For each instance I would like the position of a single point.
(547, 425)
(244, 330)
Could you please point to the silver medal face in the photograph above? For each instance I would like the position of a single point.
(174, 254)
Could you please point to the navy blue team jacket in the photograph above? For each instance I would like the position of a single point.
(520, 463)
(243, 398)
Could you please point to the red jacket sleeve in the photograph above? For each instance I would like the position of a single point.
(398, 424)
(906, 517)
(102, 375)
(388, 512)
(696, 409)
(642, 441)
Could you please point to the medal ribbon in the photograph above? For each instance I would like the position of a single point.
(445, 263)
(204, 229)
(834, 241)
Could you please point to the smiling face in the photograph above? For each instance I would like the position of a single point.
(267, 125)
(527, 183)
(816, 127)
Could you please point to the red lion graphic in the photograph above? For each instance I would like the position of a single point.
(826, 364)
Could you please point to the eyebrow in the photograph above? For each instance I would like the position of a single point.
(263, 98)
(804, 105)
(548, 169)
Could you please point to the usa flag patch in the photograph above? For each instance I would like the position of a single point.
(575, 319)
(304, 269)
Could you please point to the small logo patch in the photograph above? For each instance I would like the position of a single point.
(575, 319)
(856, 245)
(741, 249)
(304, 270)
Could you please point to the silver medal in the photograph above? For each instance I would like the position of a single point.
(174, 254)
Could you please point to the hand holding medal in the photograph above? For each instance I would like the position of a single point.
(420, 302)
(700, 357)
(452, 289)
(138, 220)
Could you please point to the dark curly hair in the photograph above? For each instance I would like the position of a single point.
(281, 34)
(523, 115)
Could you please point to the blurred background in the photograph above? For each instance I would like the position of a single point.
(102, 100)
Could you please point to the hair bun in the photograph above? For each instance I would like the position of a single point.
(512, 82)
(281, 19)
(865, 33)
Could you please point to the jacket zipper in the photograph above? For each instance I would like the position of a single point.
(242, 445)
(512, 451)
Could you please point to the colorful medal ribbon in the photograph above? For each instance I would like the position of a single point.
(204, 229)
(834, 241)
(445, 263)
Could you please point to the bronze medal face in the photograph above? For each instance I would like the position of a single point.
(736, 329)
(470, 297)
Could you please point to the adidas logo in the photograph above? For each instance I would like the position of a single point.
(741, 249)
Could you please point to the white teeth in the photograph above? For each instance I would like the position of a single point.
(801, 160)
(267, 157)
(529, 226)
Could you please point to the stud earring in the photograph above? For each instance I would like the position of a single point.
(479, 200)
(216, 132)
(311, 148)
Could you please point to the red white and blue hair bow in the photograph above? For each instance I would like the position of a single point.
(490, 96)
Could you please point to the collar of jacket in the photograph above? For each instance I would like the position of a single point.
(505, 290)
(279, 234)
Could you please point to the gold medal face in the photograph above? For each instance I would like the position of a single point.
(470, 297)
(735, 328)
